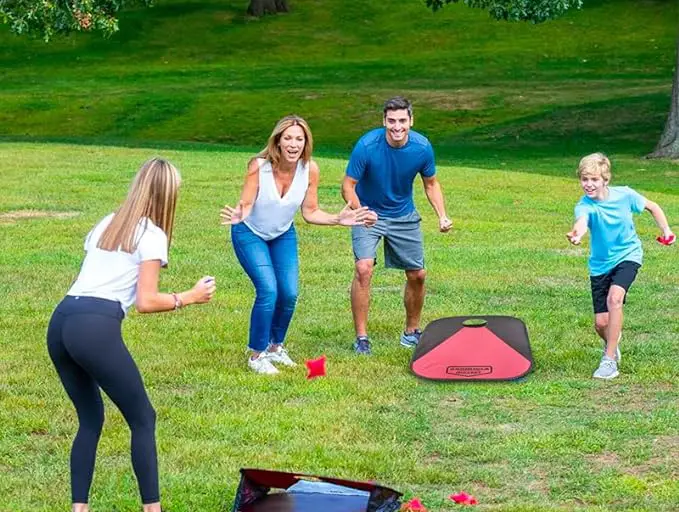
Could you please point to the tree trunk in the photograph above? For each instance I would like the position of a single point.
(668, 147)
(259, 8)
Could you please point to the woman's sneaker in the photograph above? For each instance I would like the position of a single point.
(280, 355)
(262, 364)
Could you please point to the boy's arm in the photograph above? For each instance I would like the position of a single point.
(579, 229)
(659, 217)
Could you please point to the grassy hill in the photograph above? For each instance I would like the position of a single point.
(198, 70)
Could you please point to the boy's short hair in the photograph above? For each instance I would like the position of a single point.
(398, 103)
(596, 164)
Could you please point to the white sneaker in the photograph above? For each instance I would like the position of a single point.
(608, 369)
(262, 364)
(280, 355)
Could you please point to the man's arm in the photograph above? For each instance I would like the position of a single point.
(432, 188)
(349, 192)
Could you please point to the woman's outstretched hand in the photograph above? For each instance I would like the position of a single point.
(360, 216)
(232, 215)
(203, 290)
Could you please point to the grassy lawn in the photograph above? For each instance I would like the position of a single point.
(197, 70)
(556, 441)
(510, 109)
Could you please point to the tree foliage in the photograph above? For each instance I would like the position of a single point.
(536, 11)
(49, 17)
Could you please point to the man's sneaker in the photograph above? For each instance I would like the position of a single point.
(280, 355)
(618, 355)
(362, 345)
(608, 369)
(262, 364)
(411, 339)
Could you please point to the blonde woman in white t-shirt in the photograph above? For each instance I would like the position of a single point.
(279, 180)
(124, 254)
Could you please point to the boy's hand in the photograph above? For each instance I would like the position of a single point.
(667, 239)
(573, 237)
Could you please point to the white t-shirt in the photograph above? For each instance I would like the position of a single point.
(113, 275)
(272, 215)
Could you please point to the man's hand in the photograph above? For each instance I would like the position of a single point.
(445, 224)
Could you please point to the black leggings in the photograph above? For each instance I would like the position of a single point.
(85, 343)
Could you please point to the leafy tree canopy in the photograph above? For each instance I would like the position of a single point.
(536, 11)
(48, 17)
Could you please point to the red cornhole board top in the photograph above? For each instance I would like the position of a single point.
(473, 348)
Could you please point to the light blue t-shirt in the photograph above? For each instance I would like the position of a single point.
(385, 174)
(613, 238)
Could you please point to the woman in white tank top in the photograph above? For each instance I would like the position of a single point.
(279, 180)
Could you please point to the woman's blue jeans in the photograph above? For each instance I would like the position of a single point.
(273, 267)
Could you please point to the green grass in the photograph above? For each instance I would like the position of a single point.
(557, 440)
(197, 70)
(510, 109)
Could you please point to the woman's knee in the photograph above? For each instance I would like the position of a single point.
(287, 297)
(145, 419)
(92, 420)
(266, 295)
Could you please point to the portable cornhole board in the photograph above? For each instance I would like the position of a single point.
(473, 348)
(308, 493)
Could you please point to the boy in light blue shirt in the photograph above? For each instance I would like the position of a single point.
(616, 253)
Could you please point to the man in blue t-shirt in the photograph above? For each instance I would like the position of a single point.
(616, 253)
(380, 175)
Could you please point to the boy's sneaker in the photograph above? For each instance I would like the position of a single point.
(411, 339)
(362, 345)
(618, 355)
(280, 355)
(262, 364)
(608, 369)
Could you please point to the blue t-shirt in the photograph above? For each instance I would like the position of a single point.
(385, 174)
(613, 238)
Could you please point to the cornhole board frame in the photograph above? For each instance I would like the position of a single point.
(473, 348)
(256, 484)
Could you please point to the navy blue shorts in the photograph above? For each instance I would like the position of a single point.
(623, 275)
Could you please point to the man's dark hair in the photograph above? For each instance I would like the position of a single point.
(398, 103)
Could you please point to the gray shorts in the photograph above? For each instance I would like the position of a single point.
(403, 247)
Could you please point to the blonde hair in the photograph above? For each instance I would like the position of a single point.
(152, 195)
(272, 151)
(596, 164)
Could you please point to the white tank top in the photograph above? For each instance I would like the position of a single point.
(272, 215)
